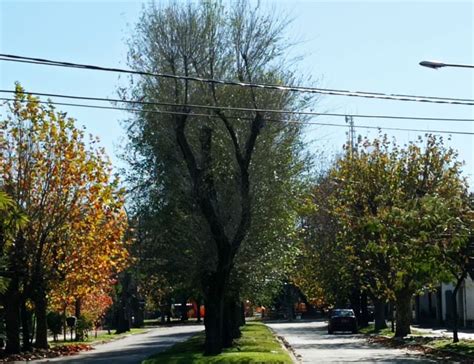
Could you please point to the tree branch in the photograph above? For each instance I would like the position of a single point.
(203, 187)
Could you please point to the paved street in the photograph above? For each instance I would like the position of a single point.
(132, 349)
(312, 343)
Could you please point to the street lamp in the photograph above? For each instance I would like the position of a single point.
(437, 64)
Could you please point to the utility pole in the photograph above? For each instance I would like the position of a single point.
(350, 121)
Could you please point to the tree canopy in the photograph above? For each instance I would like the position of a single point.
(71, 242)
(400, 211)
(215, 188)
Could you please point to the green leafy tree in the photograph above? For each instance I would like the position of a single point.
(11, 220)
(400, 210)
(211, 170)
(322, 273)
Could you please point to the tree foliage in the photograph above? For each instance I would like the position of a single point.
(215, 188)
(72, 242)
(400, 211)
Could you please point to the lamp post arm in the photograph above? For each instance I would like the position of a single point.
(437, 64)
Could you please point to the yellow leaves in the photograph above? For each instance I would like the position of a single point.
(66, 188)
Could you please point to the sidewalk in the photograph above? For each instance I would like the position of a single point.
(463, 333)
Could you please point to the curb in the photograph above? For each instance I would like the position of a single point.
(286, 346)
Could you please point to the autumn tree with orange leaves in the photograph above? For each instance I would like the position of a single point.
(88, 265)
(72, 245)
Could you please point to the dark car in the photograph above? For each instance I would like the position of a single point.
(342, 320)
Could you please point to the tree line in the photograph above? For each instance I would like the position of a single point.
(226, 204)
(62, 222)
(390, 222)
(223, 205)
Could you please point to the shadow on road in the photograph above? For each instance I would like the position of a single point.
(311, 342)
(126, 354)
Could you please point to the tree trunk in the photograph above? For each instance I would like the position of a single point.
(213, 324)
(242, 313)
(417, 310)
(289, 302)
(12, 317)
(237, 319)
(184, 309)
(25, 325)
(64, 323)
(198, 308)
(354, 300)
(227, 324)
(123, 323)
(392, 317)
(124, 317)
(77, 313)
(41, 305)
(215, 284)
(364, 312)
(33, 329)
(231, 323)
(455, 307)
(439, 309)
(139, 314)
(379, 314)
(163, 314)
(12, 296)
(403, 314)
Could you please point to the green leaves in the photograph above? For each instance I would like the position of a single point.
(400, 213)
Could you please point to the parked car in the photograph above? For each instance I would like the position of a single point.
(342, 320)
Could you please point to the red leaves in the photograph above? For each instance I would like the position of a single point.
(36, 354)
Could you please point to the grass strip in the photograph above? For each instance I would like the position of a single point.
(100, 339)
(387, 332)
(256, 345)
(463, 347)
(437, 347)
(370, 330)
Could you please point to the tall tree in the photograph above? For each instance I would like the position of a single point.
(210, 168)
(323, 271)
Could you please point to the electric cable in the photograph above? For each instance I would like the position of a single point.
(363, 94)
(165, 112)
(229, 108)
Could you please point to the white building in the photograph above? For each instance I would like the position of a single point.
(436, 307)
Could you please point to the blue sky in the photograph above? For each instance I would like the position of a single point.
(353, 45)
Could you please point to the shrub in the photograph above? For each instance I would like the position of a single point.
(55, 324)
(83, 326)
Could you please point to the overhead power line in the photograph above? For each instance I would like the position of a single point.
(229, 108)
(314, 90)
(165, 112)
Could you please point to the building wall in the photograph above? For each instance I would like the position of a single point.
(445, 287)
(469, 301)
(427, 307)
(465, 301)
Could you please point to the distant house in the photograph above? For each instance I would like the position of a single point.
(435, 308)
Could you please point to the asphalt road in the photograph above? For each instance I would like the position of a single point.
(312, 344)
(131, 349)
